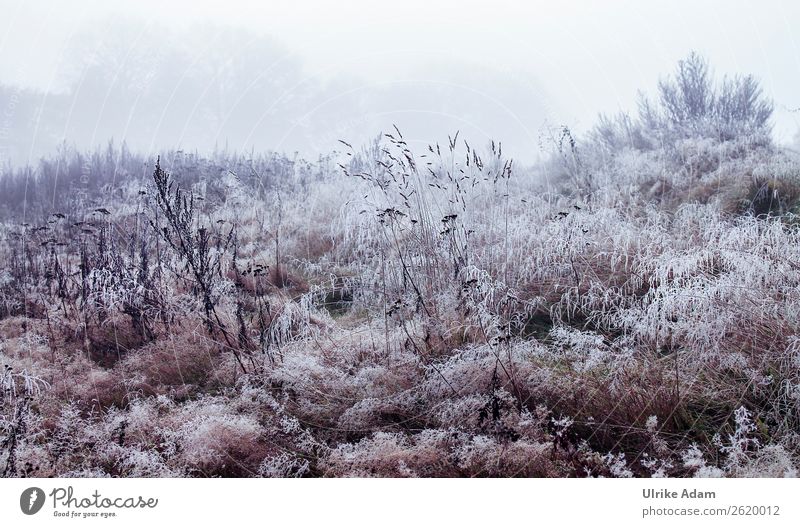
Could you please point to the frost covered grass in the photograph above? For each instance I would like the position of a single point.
(628, 309)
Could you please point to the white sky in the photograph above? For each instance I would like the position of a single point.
(575, 59)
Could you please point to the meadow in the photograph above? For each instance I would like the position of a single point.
(627, 308)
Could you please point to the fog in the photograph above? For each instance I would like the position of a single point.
(284, 305)
(298, 76)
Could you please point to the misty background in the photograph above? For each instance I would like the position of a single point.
(298, 76)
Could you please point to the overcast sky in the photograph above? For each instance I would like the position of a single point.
(498, 70)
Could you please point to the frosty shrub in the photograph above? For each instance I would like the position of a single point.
(690, 104)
